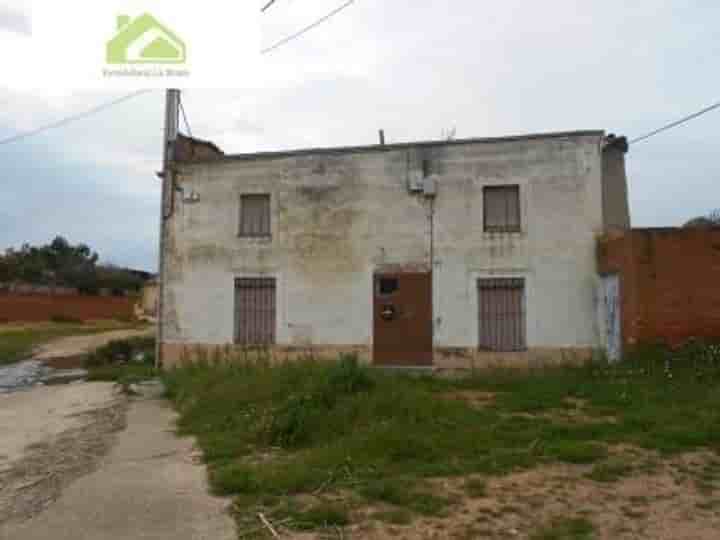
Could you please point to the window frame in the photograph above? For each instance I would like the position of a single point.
(511, 332)
(242, 232)
(507, 228)
(270, 305)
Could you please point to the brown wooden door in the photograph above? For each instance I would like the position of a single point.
(402, 319)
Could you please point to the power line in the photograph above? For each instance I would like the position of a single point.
(676, 123)
(185, 119)
(270, 3)
(307, 28)
(72, 118)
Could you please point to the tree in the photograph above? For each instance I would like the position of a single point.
(710, 220)
(62, 263)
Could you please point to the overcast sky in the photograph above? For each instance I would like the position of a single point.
(412, 68)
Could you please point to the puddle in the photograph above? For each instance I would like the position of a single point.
(29, 373)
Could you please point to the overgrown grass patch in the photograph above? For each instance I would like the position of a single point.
(566, 529)
(612, 470)
(309, 429)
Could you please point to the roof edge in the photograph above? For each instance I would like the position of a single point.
(402, 146)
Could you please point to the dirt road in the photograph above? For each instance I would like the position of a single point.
(82, 461)
(67, 350)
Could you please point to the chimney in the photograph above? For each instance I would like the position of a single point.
(122, 21)
(382, 137)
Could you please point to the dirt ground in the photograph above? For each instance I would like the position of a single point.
(50, 437)
(84, 461)
(662, 504)
(67, 353)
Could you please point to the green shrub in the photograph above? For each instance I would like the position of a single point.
(65, 319)
(579, 452)
(122, 351)
(566, 529)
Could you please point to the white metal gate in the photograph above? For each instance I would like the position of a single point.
(610, 291)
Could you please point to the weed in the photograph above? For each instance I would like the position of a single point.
(566, 529)
(119, 351)
(65, 319)
(475, 488)
(579, 452)
(611, 470)
(398, 516)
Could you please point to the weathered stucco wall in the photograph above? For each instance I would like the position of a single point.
(339, 216)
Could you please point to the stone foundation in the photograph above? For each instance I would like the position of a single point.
(445, 358)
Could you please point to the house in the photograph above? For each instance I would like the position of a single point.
(452, 253)
(144, 40)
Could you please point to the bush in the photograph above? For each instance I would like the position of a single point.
(65, 319)
(121, 351)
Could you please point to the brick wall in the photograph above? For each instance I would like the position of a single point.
(14, 307)
(669, 283)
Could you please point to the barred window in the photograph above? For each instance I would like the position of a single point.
(501, 305)
(255, 215)
(255, 311)
(501, 208)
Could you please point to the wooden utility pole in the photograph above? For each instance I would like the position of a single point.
(172, 106)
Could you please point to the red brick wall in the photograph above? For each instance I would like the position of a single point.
(669, 283)
(44, 307)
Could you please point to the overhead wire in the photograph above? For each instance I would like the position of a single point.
(73, 118)
(306, 29)
(676, 123)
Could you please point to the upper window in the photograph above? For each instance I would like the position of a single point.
(255, 215)
(501, 208)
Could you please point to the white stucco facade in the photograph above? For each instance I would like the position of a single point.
(339, 216)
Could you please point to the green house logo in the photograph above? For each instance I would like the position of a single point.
(144, 40)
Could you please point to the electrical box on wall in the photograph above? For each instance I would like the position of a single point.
(429, 186)
(415, 181)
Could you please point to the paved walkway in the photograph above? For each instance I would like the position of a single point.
(148, 487)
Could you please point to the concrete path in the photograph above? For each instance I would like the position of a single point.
(149, 486)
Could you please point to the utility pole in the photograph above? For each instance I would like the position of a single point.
(167, 197)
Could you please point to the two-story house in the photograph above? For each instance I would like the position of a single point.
(451, 253)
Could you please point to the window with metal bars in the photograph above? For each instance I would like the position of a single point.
(501, 306)
(255, 311)
(501, 208)
(255, 215)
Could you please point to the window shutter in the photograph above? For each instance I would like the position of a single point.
(255, 311)
(501, 208)
(255, 215)
(501, 314)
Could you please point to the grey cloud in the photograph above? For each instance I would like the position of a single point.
(15, 21)
(412, 68)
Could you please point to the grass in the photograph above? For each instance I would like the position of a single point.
(306, 429)
(17, 341)
(475, 488)
(566, 529)
(611, 470)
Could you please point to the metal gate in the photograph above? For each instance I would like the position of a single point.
(501, 305)
(610, 294)
(402, 319)
(255, 311)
